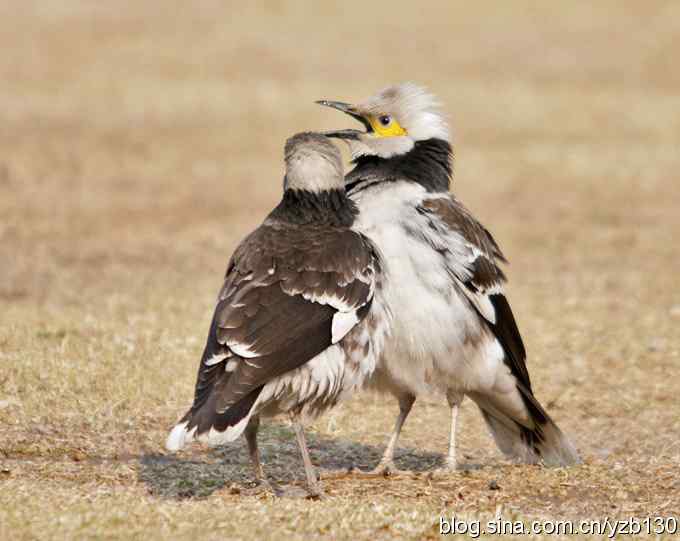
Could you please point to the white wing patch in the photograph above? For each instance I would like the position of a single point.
(461, 260)
(343, 322)
(481, 299)
(242, 350)
(216, 359)
(330, 300)
(482, 303)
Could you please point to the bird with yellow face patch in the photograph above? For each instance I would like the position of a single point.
(385, 116)
(452, 329)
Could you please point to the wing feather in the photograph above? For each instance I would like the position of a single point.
(289, 293)
(479, 275)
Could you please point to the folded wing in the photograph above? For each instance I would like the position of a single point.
(289, 293)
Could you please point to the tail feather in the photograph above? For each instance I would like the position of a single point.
(204, 423)
(530, 435)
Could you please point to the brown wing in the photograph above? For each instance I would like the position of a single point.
(289, 293)
(473, 257)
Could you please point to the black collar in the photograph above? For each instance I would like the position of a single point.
(429, 163)
(328, 207)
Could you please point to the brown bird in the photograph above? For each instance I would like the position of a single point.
(295, 328)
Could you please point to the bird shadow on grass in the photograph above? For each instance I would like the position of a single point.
(199, 472)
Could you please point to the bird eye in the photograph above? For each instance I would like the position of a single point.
(385, 120)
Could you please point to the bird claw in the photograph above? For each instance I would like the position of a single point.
(337, 474)
(261, 486)
(296, 492)
(447, 469)
(316, 494)
(383, 469)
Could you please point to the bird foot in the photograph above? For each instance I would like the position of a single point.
(449, 468)
(383, 469)
(316, 494)
(259, 487)
(342, 473)
(298, 493)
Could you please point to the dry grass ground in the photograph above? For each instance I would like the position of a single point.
(140, 141)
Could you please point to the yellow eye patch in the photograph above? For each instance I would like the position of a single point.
(385, 126)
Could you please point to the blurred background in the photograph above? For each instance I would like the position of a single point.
(140, 141)
(144, 135)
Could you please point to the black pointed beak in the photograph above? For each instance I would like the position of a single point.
(348, 110)
(343, 134)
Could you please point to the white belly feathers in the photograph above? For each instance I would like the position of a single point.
(437, 341)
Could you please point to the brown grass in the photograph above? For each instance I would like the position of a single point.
(140, 141)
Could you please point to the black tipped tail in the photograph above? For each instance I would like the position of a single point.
(523, 430)
(203, 421)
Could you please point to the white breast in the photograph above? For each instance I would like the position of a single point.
(435, 336)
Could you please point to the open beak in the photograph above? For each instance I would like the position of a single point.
(348, 110)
